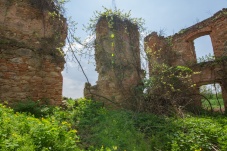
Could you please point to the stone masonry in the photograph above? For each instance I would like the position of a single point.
(179, 50)
(117, 56)
(31, 59)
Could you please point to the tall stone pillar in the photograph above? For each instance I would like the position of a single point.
(157, 50)
(117, 56)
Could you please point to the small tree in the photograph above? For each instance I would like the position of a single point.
(169, 88)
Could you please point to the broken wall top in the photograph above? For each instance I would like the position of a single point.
(31, 24)
(114, 23)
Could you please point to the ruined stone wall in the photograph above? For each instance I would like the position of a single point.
(181, 47)
(117, 56)
(215, 27)
(31, 59)
(158, 50)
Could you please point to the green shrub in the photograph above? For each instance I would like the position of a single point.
(100, 129)
(38, 108)
(124, 130)
(168, 90)
(200, 133)
(19, 131)
(117, 129)
(188, 134)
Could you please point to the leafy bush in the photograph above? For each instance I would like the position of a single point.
(100, 129)
(38, 108)
(19, 131)
(168, 90)
(125, 130)
(188, 134)
(117, 130)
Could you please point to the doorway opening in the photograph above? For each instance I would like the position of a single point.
(212, 97)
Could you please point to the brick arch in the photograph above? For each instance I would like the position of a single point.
(198, 33)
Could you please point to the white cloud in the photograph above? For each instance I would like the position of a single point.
(72, 88)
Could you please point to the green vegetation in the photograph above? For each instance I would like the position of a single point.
(212, 97)
(214, 102)
(21, 132)
(85, 125)
(109, 14)
(39, 108)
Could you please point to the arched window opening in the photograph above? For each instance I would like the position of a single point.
(212, 97)
(204, 49)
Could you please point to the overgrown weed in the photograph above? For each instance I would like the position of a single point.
(87, 125)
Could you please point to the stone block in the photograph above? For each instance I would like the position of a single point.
(17, 60)
(22, 52)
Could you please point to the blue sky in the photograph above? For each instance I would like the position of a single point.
(168, 15)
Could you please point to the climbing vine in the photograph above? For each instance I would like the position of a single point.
(109, 15)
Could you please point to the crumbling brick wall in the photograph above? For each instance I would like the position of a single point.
(117, 56)
(179, 50)
(31, 59)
